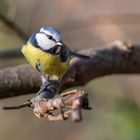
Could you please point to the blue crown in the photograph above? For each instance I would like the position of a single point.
(51, 30)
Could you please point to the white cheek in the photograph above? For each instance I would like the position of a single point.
(44, 42)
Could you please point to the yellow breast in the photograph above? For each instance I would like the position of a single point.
(49, 64)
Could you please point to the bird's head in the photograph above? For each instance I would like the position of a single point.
(48, 39)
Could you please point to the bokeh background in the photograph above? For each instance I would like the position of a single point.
(84, 24)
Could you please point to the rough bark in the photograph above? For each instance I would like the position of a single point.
(18, 80)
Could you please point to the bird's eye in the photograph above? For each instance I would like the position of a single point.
(50, 37)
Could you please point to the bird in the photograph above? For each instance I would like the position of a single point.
(47, 53)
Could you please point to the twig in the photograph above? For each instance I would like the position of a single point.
(27, 104)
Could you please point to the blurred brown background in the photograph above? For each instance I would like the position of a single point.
(84, 24)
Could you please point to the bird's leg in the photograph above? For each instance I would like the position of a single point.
(49, 87)
(48, 80)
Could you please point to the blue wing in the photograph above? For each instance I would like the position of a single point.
(64, 53)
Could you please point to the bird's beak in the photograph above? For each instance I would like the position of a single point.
(57, 48)
(59, 43)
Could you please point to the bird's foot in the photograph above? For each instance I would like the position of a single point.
(49, 82)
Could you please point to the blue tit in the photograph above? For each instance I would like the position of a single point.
(46, 52)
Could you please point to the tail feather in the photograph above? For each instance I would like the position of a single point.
(76, 54)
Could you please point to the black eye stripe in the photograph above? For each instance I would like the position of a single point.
(49, 36)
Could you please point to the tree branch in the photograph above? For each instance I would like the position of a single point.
(14, 27)
(115, 58)
(18, 80)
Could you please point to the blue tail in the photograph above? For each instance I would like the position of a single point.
(76, 54)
